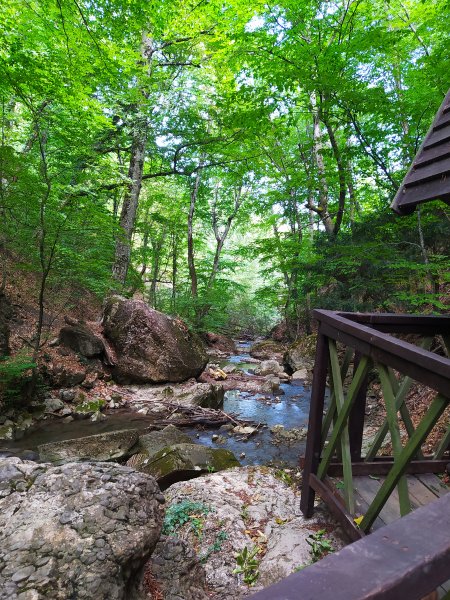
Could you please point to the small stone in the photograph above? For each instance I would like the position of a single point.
(53, 404)
(67, 395)
(22, 574)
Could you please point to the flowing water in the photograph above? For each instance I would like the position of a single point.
(289, 409)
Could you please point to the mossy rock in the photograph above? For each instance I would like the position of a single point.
(267, 349)
(180, 462)
(90, 407)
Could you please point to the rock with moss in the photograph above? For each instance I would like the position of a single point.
(180, 462)
(109, 446)
(267, 350)
(300, 354)
(88, 408)
(151, 347)
(76, 531)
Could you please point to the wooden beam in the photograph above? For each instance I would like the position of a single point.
(407, 559)
(391, 411)
(335, 504)
(382, 467)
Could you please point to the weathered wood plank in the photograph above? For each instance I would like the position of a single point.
(368, 488)
(437, 137)
(334, 503)
(407, 559)
(434, 484)
(382, 467)
(434, 170)
(420, 492)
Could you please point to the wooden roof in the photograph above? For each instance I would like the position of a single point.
(429, 175)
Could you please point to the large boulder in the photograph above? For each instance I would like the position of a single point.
(179, 462)
(151, 346)
(153, 442)
(219, 343)
(300, 354)
(75, 531)
(101, 447)
(81, 340)
(269, 367)
(247, 507)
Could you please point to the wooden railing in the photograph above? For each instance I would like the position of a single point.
(334, 443)
(402, 561)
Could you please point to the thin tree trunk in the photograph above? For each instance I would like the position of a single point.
(174, 270)
(190, 240)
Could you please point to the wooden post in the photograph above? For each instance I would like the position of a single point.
(314, 439)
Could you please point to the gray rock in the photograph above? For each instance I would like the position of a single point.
(53, 404)
(269, 367)
(153, 442)
(82, 340)
(75, 531)
(178, 571)
(151, 347)
(301, 375)
(101, 447)
(7, 432)
(67, 395)
(154, 398)
(240, 502)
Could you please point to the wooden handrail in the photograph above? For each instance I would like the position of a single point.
(404, 560)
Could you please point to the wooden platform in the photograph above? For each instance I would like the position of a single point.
(423, 489)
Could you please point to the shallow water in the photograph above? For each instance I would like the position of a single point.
(289, 409)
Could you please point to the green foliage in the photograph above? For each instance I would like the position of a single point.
(15, 377)
(248, 565)
(320, 546)
(312, 130)
(184, 512)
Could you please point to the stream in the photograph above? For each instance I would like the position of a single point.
(289, 408)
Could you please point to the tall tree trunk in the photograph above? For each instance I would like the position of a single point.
(341, 176)
(322, 206)
(130, 202)
(190, 240)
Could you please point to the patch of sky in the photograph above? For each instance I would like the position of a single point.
(164, 141)
(255, 23)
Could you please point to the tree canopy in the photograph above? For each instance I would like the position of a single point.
(232, 161)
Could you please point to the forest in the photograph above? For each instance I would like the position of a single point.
(232, 163)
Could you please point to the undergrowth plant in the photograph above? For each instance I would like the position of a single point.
(184, 512)
(248, 565)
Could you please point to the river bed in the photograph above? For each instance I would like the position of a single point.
(289, 408)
